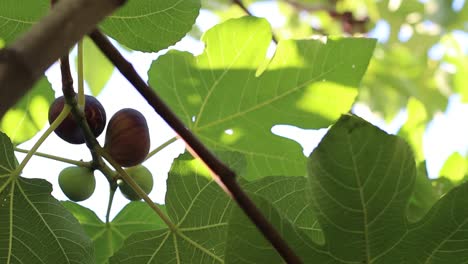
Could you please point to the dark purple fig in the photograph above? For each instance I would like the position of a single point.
(69, 130)
(127, 137)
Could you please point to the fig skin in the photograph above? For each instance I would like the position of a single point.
(142, 176)
(69, 129)
(77, 183)
(127, 137)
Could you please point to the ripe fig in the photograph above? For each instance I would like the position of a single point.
(77, 183)
(69, 130)
(142, 176)
(127, 137)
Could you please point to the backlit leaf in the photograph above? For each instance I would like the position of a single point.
(231, 97)
(108, 238)
(29, 115)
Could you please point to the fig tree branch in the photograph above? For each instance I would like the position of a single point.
(223, 175)
(24, 61)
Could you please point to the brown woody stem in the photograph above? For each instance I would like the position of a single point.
(223, 174)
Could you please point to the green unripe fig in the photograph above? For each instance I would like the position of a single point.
(77, 183)
(142, 176)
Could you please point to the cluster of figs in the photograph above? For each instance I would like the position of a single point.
(127, 142)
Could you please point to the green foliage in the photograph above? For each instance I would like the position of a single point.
(413, 130)
(29, 115)
(231, 95)
(396, 75)
(34, 226)
(143, 25)
(359, 191)
(361, 180)
(287, 195)
(108, 238)
(455, 55)
(247, 245)
(362, 196)
(97, 68)
(199, 209)
(424, 196)
(447, 17)
(148, 25)
(14, 20)
(455, 168)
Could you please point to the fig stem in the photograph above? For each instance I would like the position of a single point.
(63, 114)
(81, 96)
(110, 174)
(112, 188)
(127, 179)
(161, 147)
(222, 174)
(80, 163)
(77, 112)
(93, 145)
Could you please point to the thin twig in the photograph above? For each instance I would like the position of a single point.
(129, 180)
(80, 163)
(222, 174)
(161, 147)
(81, 96)
(63, 114)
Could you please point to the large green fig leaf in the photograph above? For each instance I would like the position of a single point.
(17, 16)
(283, 200)
(287, 195)
(424, 195)
(148, 25)
(199, 209)
(413, 130)
(97, 69)
(29, 115)
(231, 96)
(108, 238)
(359, 185)
(247, 245)
(143, 25)
(361, 180)
(34, 226)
